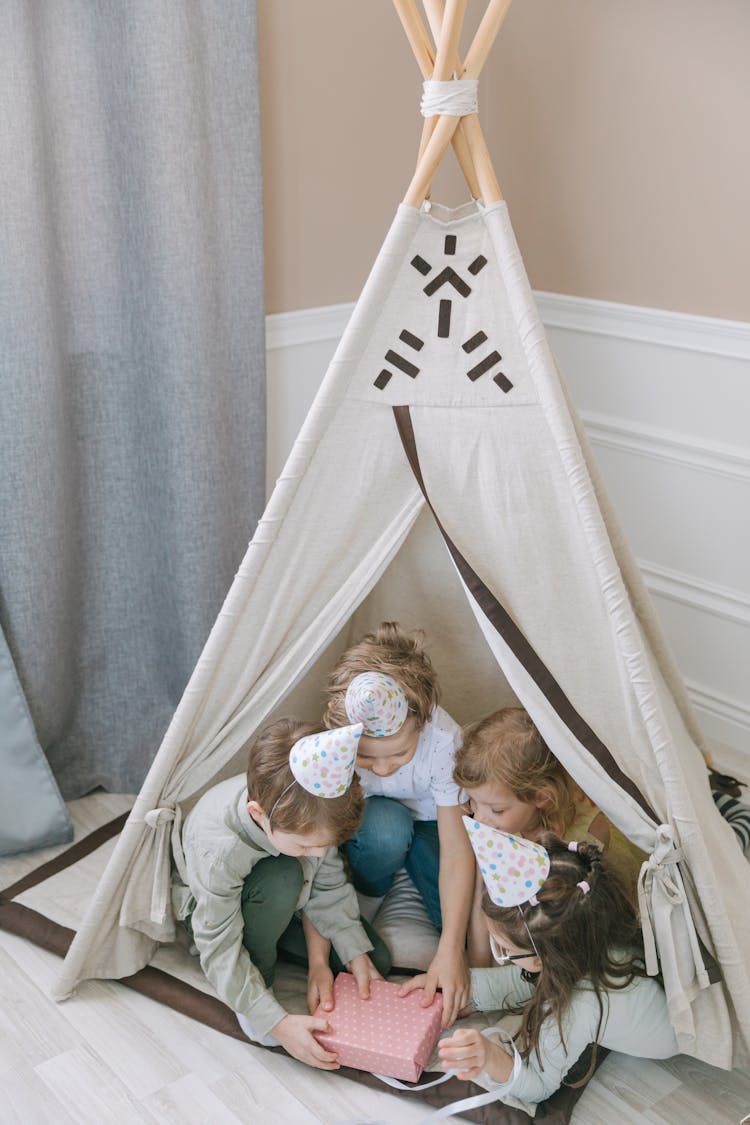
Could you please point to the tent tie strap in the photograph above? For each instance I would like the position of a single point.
(166, 822)
(660, 875)
(456, 98)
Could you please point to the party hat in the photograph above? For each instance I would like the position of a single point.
(323, 763)
(376, 701)
(513, 869)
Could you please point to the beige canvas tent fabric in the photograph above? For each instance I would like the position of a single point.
(442, 480)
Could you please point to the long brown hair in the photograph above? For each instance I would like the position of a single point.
(507, 748)
(579, 935)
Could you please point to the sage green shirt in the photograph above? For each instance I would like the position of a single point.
(633, 1020)
(221, 844)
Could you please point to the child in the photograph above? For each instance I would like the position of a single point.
(570, 947)
(412, 815)
(513, 782)
(256, 850)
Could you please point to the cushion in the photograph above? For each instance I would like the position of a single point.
(32, 811)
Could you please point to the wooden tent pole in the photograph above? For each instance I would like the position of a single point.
(470, 127)
(423, 53)
(446, 125)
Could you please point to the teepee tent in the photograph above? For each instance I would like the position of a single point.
(442, 479)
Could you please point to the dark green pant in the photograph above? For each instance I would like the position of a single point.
(273, 929)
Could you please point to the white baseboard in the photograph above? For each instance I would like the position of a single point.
(665, 399)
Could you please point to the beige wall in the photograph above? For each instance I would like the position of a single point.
(620, 131)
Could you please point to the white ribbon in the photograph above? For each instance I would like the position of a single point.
(445, 1111)
(455, 98)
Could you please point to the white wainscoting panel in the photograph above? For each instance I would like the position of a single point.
(665, 398)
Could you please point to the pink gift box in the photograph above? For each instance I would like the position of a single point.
(387, 1034)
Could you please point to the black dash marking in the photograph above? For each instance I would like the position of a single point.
(484, 365)
(478, 264)
(502, 381)
(444, 319)
(421, 265)
(448, 275)
(402, 364)
(411, 340)
(450, 244)
(383, 379)
(474, 342)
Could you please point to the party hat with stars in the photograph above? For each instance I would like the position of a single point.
(378, 702)
(323, 763)
(513, 869)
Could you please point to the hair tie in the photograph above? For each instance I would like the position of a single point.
(584, 886)
(573, 846)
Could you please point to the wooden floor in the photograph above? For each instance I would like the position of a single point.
(110, 1055)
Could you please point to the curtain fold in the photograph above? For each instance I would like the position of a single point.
(132, 386)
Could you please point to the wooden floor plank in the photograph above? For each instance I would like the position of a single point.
(91, 1092)
(27, 1100)
(190, 1099)
(256, 1095)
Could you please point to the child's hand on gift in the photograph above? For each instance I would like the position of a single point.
(469, 1052)
(448, 972)
(295, 1033)
(363, 971)
(319, 988)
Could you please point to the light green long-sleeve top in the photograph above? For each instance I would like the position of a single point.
(221, 844)
(635, 1022)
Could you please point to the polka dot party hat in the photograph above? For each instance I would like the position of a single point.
(513, 869)
(323, 763)
(376, 701)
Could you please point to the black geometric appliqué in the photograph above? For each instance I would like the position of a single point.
(450, 277)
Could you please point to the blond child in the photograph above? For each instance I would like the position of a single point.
(412, 815)
(512, 781)
(260, 848)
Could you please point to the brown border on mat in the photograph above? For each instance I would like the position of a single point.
(15, 918)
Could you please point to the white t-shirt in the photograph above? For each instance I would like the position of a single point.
(427, 780)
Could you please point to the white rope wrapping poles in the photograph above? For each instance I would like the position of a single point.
(440, 130)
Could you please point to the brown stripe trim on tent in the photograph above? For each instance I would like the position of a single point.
(71, 855)
(177, 994)
(516, 641)
(503, 623)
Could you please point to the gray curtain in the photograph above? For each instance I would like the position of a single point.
(132, 406)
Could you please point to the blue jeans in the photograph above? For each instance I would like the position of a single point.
(389, 838)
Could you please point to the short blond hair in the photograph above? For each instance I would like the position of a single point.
(394, 653)
(507, 748)
(269, 775)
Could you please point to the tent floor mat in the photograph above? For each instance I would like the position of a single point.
(166, 988)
